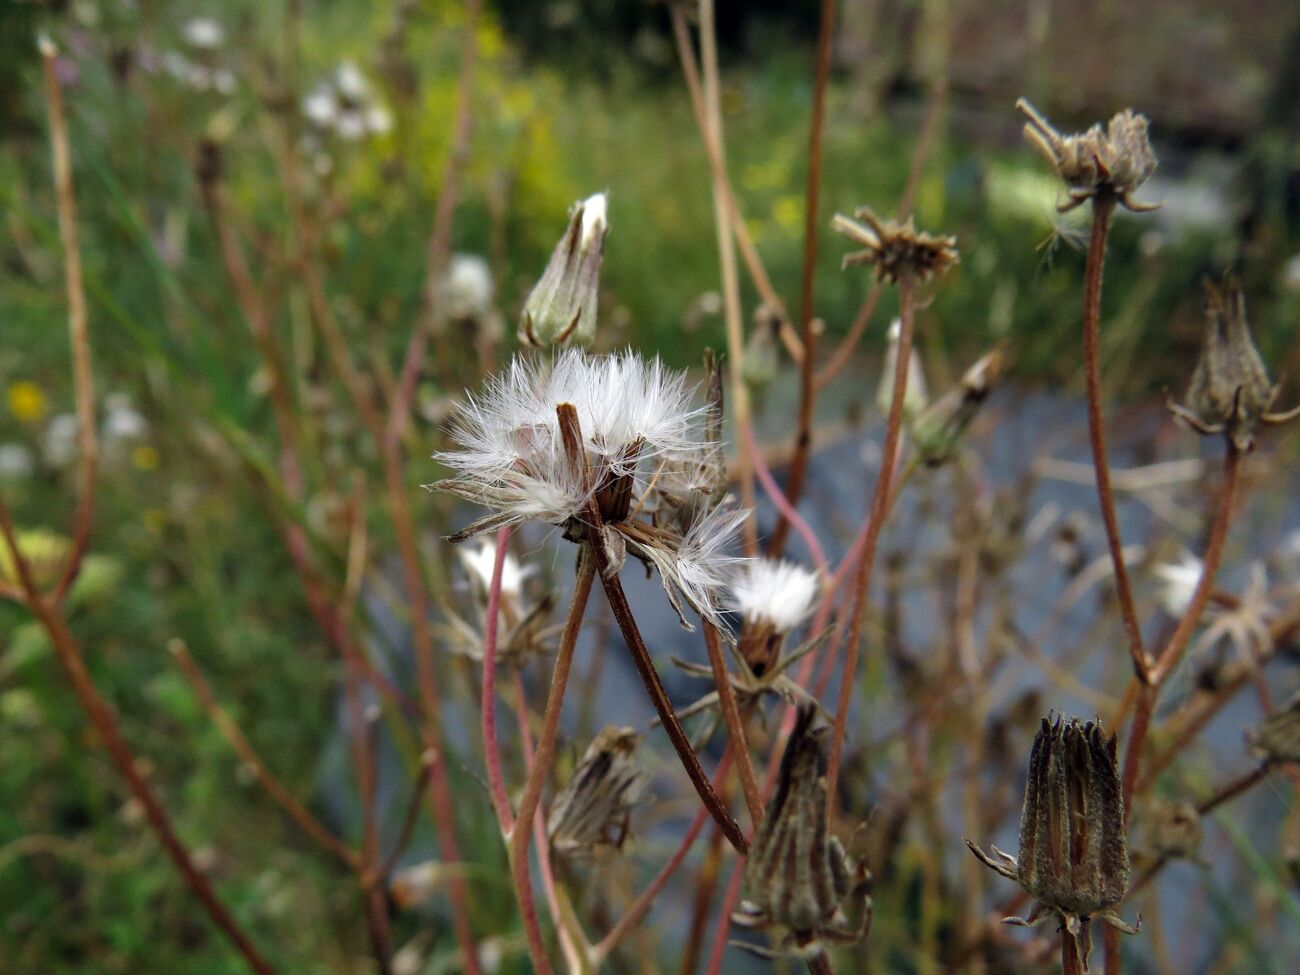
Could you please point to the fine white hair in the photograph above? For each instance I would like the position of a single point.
(774, 591)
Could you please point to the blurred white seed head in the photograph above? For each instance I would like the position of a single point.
(1178, 582)
(203, 33)
(467, 289)
(479, 562)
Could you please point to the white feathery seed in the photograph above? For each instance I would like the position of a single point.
(774, 591)
(479, 562)
(1178, 583)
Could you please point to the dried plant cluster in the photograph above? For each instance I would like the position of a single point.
(831, 816)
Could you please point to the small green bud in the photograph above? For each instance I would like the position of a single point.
(938, 430)
(1278, 736)
(562, 307)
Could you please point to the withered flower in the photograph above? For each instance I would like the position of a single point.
(1278, 736)
(1173, 830)
(797, 875)
(1230, 392)
(593, 809)
(561, 309)
(1115, 160)
(895, 249)
(1073, 846)
(938, 430)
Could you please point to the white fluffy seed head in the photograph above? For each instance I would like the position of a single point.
(594, 223)
(1178, 583)
(703, 565)
(776, 592)
(480, 561)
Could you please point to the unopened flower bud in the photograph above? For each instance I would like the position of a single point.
(938, 430)
(593, 808)
(915, 397)
(1073, 844)
(1278, 736)
(562, 307)
(1230, 392)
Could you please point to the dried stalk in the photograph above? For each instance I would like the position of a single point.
(738, 742)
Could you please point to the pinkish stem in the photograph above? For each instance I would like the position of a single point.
(491, 748)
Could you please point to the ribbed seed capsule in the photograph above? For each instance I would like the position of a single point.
(593, 808)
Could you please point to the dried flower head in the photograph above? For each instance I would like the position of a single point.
(1278, 735)
(1173, 829)
(633, 416)
(1230, 392)
(797, 875)
(593, 809)
(1114, 161)
(894, 249)
(561, 309)
(1073, 845)
(937, 431)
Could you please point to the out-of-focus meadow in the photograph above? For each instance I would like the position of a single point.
(328, 126)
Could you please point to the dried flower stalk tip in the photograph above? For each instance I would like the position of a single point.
(1073, 846)
(1115, 160)
(561, 309)
(1230, 392)
(1278, 736)
(797, 875)
(895, 249)
(593, 809)
(1174, 830)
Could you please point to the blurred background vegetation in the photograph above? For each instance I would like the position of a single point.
(573, 96)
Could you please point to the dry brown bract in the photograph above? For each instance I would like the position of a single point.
(1230, 392)
(1115, 160)
(1073, 845)
(594, 807)
(894, 249)
(797, 874)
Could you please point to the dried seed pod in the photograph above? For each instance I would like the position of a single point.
(561, 310)
(1230, 392)
(593, 809)
(797, 875)
(937, 431)
(1278, 736)
(1173, 830)
(1115, 161)
(1073, 846)
(895, 249)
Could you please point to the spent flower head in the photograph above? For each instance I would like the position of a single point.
(1230, 392)
(593, 809)
(1073, 843)
(1113, 161)
(894, 249)
(938, 429)
(1278, 735)
(561, 310)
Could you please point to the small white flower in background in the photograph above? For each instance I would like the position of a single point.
(345, 103)
(1178, 583)
(480, 560)
(121, 420)
(467, 288)
(59, 444)
(320, 107)
(636, 418)
(203, 33)
(350, 82)
(775, 593)
(915, 396)
(16, 462)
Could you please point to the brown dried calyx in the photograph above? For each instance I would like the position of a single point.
(1278, 736)
(797, 875)
(896, 250)
(593, 809)
(1073, 846)
(1115, 160)
(1230, 392)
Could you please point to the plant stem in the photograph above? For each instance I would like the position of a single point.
(105, 724)
(735, 724)
(488, 708)
(807, 377)
(1103, 208)
(542, 758)
(1070, 964)
(875, 523)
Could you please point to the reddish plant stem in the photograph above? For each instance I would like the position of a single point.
(729, 899)
(735, 724)
(542, 759)
(782, 504)
(491, 749)
(427, 761)
(875, 524)
(83, 377)
(237, 740)
(807, 378)
(1070, 963)
(1103, 208)
(706, 884)
(105, 724)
